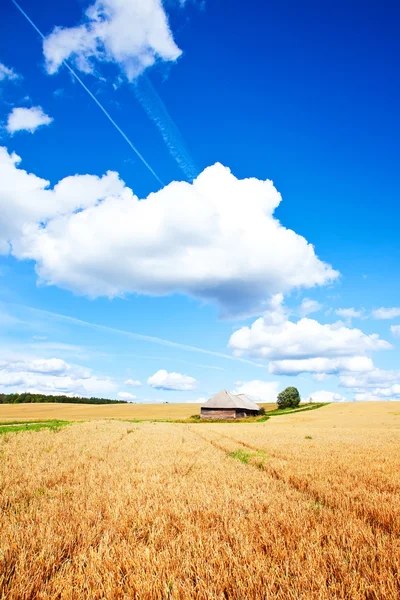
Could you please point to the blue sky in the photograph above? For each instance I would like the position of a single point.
(180, 274)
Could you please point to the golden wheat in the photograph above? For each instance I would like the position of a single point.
(299, 507)
(79, 412)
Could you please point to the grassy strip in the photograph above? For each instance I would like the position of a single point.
(15, 427)
(27, 422)
(290, 411)
(255, 458)
(259, 419)
(198, 419)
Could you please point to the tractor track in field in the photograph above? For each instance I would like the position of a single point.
(303, 487)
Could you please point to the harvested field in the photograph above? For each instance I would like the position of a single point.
(303, 506)
(79, 412)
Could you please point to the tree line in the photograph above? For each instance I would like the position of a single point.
(28, 397)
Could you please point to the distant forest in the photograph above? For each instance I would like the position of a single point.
(27, 397)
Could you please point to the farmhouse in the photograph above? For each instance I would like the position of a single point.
(225, 405)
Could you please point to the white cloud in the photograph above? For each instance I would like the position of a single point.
(349, 313)
(51, 366)
(395, 329)
(215, 239)
(325, 396)
(365, 397)
(27, 199)
(275, 312)
(378, 384)
(133, 382)
(386, 313)
(257, 390)
(27, 119)
(392, 391)
(374, 378)
(126, 396)
(162, 380)
(52, 376)
(321, 365)
(382, 393)
(277, 340)
(131, 33)
(307, 346)
(320, 376)
(7, 73)
(201, 400)
(309, 306)
(71, 349)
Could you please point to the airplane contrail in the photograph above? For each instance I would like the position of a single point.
(79, 80)
(156, 110)
(136, 336)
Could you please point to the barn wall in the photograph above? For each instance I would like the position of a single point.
(241, 413)
(217, 413)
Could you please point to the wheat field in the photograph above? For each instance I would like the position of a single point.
(303, 506)
(79, 412)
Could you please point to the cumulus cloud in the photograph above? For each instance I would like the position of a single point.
(131, 33)
(133, 382)
(27, 119)
(307, 346)
(279, 340)
(309, 306)
(215, 239)
(258, 390)
(52, 376)
(383, 393)
(386, 313)
(375, 378)
(162, 380)
(395, 329)
(378, 384)
(126, 396)
(51, 366)
(321, 365)
(26, 199)
(200, 400)
(325, 396)
(349, 313)
(7, 74)
(320, 376)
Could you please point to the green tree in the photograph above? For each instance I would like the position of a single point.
(289, 398)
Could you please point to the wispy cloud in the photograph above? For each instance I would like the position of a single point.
(179, 360)
(156, 110)
(7, 74)
(134, 335)
(309, 306)
(349, 313)
(133, 36)
(93, 97)
(386, 313)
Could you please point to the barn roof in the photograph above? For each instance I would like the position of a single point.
(225, 399)
(247, 402)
